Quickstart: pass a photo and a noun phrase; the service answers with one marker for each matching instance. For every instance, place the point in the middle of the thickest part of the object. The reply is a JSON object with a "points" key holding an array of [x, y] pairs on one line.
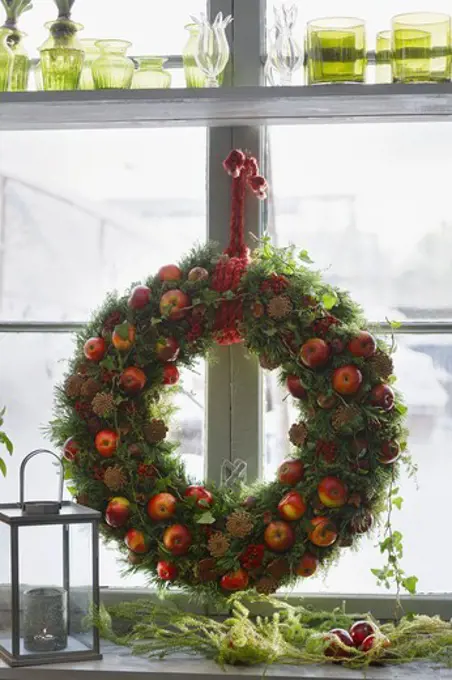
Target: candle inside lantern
{"points": [[336, 50], [45, 620]]}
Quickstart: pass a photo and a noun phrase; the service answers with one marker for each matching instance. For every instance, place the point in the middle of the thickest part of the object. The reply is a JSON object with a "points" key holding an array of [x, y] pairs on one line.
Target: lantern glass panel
{"points": [[81, 590], [5, 589]]}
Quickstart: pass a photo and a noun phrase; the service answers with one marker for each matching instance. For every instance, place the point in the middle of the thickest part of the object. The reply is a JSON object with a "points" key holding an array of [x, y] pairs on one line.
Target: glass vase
{"points": [[421, 44], [21, 64], [212, 54], [112, 69], [285, 54], [336, 50], [62, 56], [194, 77], [383, 58], [150, 74], [6, 59], [92, 52]]}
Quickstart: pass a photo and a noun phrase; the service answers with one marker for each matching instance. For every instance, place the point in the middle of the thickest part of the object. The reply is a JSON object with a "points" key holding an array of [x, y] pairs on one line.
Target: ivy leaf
{"points": [[155, 321], [108, 363], [402, 409], [3, 467], [72, 490], [205, 518], [304, 257], [123, 330], [395, 324], [329, 299], [4, 439], [410, 584], [397, 502]]}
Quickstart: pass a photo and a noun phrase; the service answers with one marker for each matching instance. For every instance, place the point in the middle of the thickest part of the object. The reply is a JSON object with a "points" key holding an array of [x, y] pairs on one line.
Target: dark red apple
{"points": [[177, 539], [363, 345], [347, 379], [117, 512], [295, 387], [136, 541], [292, 506], [203, 497], [332, 492], [167, 349], [307, 566], [389, 453], [326, 401], [323, 532], [382, 396], [139, 297], [291, 472], [334, 649], [166, 571], [106, 443], [94, 349], [132, 380], [315, 353], [174, 304], [70, 449], [161, 506], [360, 630], [169, 272], [235, 580], [279, 536], [170, 374]]}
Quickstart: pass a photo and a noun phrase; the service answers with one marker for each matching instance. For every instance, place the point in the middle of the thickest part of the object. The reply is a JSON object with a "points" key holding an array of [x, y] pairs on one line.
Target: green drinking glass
{"points": [[150, 74], [383, 58], [21, 65], [194, 77], [421, 47], [92, 52], [6, 59], [62, 56], [112, 69], [336, 50]]}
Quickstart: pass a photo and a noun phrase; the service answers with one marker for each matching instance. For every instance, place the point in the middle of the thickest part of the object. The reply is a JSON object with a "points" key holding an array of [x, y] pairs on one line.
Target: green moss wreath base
{"points": [[113, 410]]}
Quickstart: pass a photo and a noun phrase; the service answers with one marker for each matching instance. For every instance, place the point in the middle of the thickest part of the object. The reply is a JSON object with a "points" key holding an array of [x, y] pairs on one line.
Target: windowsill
{"points": [[118, 661]]}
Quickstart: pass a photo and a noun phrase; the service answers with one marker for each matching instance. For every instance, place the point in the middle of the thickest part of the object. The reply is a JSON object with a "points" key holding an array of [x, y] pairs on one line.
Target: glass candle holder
{"points": [[421, 44], [151, 74], [194, 77], [62, 56], [92, 52], [383, 58], [336, 50], [112, 69], [45, 620], [21, 64]]}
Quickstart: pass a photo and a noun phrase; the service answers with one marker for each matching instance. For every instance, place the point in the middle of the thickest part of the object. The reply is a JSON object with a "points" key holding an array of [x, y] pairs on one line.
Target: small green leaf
{"points": [[329, 300], [270, 332], [410, 584], [402, 409], [155, 321], [3, 467], [229, 295], [108, 363], [397, 502], [205, 518], [395, 324], [123, 330], [304, 257], [72, 490], [4, 439]]}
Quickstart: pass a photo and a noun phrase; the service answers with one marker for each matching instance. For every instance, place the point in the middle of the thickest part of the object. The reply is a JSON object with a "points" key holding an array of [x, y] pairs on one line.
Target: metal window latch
{"points": [[41, 507], [233, 472]]}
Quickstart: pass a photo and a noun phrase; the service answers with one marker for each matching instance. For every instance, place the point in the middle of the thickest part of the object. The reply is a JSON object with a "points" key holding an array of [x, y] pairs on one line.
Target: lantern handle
{"points": [[23, 465]]}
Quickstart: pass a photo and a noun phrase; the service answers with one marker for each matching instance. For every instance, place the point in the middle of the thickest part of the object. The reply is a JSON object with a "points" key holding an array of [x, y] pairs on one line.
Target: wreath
{"points": [[112, 416]]}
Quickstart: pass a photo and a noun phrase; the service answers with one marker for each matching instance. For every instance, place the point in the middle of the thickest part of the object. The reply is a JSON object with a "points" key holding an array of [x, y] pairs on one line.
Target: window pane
{"points": [[371, 204], [86, 212], [153, 28], [30, 366], [424, 369]]}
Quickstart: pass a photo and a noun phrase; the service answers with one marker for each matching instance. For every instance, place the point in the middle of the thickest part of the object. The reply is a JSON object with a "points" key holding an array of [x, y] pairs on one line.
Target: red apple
{"points": [[177, 539], [136, 541], [315, 353], [139, 297], [373, 640], [170, 374], [323, 532], [198, 274], [360, 630], [332, 492], [326, 401], [94, 349], [203, 497], [292, 506], [121, 343], [347, 379], [132, 380], [235, 580], [295, 387], [166, 571], [363, 345], [106, 443], [70, 449], [291, 472], [167, 349], [382, 396], [307, 566], [334, 649], [117, 512], [279, 536], [161, 506], [169, 272], [174, 304], [390, 452]]}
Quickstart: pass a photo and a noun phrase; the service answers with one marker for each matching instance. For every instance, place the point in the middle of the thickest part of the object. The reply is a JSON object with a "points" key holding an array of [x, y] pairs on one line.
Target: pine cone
{"points": [[73, 386], [134, 558], [112, 320], [381, 365], [267, 585], [94, 425], [90, 388], [115, 478], [279, 568], [103, 404], [205, 570], [155, 431], [267, 363], [346, 417], [279, 307], [239, 524], [218, 544], [361, 522], [298, 433], [83, 499]]}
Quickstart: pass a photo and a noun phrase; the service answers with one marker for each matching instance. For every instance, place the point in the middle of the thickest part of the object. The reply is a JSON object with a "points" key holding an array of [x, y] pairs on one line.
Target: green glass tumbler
{"points": [[112, 69], [62, 56], [336, 50], [6, 59], [150, 74], [421, 47], [383, 58], [21, 65], [194, 77], [92, 52]]}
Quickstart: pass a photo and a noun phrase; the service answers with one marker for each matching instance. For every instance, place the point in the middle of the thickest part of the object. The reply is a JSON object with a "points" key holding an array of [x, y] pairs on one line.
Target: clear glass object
{"points": [[194, 77], [383, 58], [421, 47], [150, 74], [285, 54], [62, 56], [336, 50], [21, 64], [92, 52], [212, 54], [45, 619], [6, 59], [113, 69]]}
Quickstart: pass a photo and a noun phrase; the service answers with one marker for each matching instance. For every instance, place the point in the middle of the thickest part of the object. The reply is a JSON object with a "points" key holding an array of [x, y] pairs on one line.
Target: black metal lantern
{"points": [[50, 551]]}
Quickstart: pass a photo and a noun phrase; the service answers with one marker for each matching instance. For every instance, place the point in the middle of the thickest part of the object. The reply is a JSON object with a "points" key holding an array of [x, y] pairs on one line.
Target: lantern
{"points": [[49, 561]]}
